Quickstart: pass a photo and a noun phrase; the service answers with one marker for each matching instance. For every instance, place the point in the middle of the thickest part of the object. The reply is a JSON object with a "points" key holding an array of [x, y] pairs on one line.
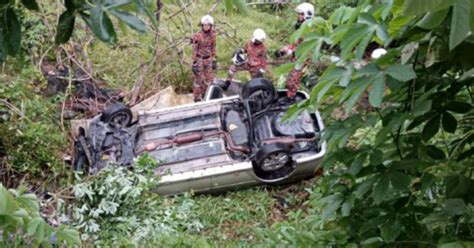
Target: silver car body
{"points": [[219, 172]]}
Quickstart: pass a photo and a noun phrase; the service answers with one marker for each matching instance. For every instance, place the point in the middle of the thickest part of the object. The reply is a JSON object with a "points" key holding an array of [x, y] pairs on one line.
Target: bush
{"points": [[22, 224], [31, 132], [118, 207]]}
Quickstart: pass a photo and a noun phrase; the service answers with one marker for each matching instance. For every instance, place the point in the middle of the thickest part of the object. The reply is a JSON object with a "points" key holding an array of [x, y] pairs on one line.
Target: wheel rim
{"points": [[275, 161], [119, 120]]}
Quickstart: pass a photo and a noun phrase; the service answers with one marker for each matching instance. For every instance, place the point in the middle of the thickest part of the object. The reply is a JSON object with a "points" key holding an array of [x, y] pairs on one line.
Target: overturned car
{"points": [[236, 138]]}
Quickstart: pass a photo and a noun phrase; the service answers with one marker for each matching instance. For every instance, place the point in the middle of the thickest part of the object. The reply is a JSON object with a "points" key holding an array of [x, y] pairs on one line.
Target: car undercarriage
{"points": [[247, 129]]}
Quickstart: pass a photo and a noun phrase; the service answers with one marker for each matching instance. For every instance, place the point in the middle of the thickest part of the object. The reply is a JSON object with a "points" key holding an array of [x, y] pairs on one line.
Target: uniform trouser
{"points": [[203, 77], [293, 81], [254, 70]]}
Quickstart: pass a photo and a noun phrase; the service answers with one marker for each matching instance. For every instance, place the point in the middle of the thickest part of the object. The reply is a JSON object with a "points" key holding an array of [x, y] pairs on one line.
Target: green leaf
{"points": [[69, 235], [381, 189], [12, 32], [346, 208], [415, 7], [358, 163], [391, 230], [142, 7], [458, 186], [346, 76], [433, 19], [408, 51], [359, 88], [400, 181], [459, 107], [29, 201], [372, 241], [332, 204], [455, 207], [65, 27], [376, 157], [450, 124], [460, 23], [354, 36], [435, 152], [402, 73], [130, 20], [30, 4], [33, 225], [377, 93], [431, 128], [457, 244], [468, 74], [101, 25], [7, 202], [363, 188]]}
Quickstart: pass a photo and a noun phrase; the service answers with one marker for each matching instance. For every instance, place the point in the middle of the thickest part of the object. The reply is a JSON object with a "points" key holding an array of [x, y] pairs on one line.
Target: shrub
{"points": [[118, 206], [22, 224]]}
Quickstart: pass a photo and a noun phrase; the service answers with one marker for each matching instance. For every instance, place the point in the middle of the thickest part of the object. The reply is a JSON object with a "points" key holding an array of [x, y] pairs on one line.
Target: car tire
{"points": [[117, 115], [260, 92], [273, 163]]}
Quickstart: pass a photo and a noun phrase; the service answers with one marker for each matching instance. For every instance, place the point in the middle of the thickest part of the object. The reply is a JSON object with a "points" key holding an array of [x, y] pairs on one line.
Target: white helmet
{"points": [[307, 9], [207, 20], [377, 53], [259, 35]]}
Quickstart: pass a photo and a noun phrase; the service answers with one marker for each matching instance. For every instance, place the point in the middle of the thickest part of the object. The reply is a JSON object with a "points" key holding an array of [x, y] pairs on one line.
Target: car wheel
{"points": [[260, 92], [117, 115], [273, 163]]}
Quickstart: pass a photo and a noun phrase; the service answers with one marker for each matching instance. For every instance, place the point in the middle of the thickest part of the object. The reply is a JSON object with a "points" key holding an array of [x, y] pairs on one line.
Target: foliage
{"points": [[22, 224], [409, 182], [96, 14], [31, 131], [118, 207]]}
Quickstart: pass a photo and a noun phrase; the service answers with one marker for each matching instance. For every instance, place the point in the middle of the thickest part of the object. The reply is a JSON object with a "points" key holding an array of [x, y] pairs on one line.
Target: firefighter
{"points": [[252, 58], [204, 57], [305, 12]]}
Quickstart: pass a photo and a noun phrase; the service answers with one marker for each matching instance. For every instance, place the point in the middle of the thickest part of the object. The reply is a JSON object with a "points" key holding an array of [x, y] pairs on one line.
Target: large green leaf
{"points": [[431, 128], [416, 7], [101, 25], [356, 33], [381, 189], [460, 23], [376, 93], [33, 225], [433, 19], [132, 21], [359, 89], [30, 4], [29, 201], [455, 207], [7, 202], [65, 27], [391, 230], [399, 181], [401, 72], [458, 186], [112, 4], [459, 107], [450, 123], [70, 236]]}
